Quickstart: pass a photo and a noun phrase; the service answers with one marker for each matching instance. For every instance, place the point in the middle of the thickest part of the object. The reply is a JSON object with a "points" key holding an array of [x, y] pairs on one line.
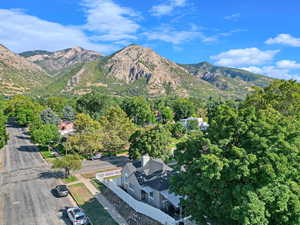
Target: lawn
{"points": [[70, 179], [94, 210]]}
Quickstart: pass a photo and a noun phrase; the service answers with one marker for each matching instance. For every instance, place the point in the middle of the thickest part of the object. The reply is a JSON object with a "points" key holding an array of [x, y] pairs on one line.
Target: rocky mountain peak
{"points": [[58, 60], [137, 62]]}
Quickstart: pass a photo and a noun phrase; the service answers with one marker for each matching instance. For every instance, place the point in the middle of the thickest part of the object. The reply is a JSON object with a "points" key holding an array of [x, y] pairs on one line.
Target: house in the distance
{"points": [[66, 128], [148, 181], [201, 124]]}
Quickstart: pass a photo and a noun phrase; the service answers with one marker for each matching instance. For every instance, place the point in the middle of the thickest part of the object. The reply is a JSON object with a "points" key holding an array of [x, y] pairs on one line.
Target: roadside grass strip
{"points": [[94, 210], [70, 179]]}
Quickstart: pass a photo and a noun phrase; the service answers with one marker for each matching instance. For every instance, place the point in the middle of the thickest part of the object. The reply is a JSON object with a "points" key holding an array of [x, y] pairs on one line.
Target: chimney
{"points": [[145, 159]]}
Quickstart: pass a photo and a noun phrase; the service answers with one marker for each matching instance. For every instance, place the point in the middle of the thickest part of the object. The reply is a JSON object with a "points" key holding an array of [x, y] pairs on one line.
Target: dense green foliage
{"points": [[45, 134], [139, 110], [3, 119], [153, 141], [177, 130], [23, 109], [68, 113], [117, 128], [245, 170], [95, 104], [68, 162], [49, 117], [183, 108]]}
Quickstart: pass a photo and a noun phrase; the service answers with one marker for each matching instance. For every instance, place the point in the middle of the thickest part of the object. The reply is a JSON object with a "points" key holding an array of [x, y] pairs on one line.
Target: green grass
{"points": [[97, 184], [94, 210], [47, 155], [70, 179]]}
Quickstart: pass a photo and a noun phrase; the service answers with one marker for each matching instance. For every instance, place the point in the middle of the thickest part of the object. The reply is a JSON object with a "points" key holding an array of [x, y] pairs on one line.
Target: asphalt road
{"points": [[103, 164], [25, 185]]}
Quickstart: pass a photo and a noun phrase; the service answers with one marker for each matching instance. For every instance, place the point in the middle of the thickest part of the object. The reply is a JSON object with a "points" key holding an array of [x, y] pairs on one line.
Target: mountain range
{"points": [[133, 70]]}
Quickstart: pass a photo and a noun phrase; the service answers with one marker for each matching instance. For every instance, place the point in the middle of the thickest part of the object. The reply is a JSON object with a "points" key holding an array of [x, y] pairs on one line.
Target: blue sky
{"points": [[260, 36]]}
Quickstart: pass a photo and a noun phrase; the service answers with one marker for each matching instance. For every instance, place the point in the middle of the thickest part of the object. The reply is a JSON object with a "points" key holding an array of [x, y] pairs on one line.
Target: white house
{"points": [[202, 125]]}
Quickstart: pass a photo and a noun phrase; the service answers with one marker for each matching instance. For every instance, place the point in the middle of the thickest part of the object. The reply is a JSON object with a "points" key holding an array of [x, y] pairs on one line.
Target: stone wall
{"points": [[130, 215]]}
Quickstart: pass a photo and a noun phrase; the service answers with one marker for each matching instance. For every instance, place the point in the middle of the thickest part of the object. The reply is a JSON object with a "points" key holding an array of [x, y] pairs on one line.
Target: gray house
{"points": [[148, 181]]}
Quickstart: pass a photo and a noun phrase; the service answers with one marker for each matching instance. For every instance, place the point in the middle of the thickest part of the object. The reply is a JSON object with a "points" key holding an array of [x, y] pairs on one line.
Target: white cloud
{"points": [[233, 17], [166, 8], [21, 32], [110, 21], [174, 36], [288, 64], [244, 57], [273, 71], [285, 39]]}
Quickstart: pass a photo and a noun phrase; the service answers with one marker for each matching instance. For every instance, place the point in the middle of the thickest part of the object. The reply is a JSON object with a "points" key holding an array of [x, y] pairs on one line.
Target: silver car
{"points": [[77, 216]]}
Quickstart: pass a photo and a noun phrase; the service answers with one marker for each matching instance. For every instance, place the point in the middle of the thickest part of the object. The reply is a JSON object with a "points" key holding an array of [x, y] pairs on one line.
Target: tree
{"points": [[183, 108], [86, 143], [193, 125], [95, 104], [177, 130], [117, 128], [49, 117], [68, 113], [46, 134], [68, 163], [23, 109], [84, 123], [139, 110], [281, 95], [58, 103], [244, 171], [166, 114], [153, 142]]}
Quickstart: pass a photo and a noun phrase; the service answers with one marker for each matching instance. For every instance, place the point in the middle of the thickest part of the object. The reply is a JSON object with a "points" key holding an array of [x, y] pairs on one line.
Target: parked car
{"points": [[61, 190], [96, 156], [77, 216]]}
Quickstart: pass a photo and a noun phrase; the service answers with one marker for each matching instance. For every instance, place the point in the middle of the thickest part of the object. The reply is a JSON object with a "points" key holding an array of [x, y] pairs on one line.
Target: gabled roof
{"points": [[154, 174]]}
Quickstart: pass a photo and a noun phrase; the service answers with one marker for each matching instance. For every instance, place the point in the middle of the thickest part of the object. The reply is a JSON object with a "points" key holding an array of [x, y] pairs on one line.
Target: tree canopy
{"points": [[117, 128], [67, 162], [245, 170], [153, 142], [139, 110]]}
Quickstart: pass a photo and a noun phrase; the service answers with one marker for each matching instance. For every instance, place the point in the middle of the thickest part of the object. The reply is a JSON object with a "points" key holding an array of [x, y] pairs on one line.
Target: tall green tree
{"points": [[117, 128], [46, 134], [23, 109], [139, 110], [68, 113], [166, 114], [153, 142], [84, 122], [49, 117], [85, 143], [95, 104], [68, 163], [183, 108], [244, 171]]}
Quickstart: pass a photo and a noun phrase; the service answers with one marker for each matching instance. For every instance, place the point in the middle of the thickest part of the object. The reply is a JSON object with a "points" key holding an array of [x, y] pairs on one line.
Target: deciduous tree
{"points": [[68, 163]]}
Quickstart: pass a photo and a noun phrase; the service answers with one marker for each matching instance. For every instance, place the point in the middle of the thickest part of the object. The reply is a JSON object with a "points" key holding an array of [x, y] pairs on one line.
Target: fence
{"points": [[139, 206]]}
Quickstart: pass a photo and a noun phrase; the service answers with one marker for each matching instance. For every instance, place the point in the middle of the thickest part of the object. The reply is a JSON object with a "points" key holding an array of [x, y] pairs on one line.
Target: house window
{"points": [[151, 196]]}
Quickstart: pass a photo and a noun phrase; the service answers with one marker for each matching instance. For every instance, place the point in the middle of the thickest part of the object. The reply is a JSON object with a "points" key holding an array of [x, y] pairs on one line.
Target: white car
{"points": [[77, 216], [96, 156]]}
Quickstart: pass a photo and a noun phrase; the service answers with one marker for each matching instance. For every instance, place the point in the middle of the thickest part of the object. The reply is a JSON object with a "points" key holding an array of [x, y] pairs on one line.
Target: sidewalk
{"points": [[102, 200]]}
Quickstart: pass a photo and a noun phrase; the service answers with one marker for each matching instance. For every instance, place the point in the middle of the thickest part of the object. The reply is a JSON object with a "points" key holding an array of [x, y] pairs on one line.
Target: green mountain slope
{"points": [[18, 75], [235, 81]]}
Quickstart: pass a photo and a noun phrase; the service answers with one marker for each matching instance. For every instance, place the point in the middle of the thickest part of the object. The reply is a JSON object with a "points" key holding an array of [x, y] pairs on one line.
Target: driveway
{"points": [[25, 185]]}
